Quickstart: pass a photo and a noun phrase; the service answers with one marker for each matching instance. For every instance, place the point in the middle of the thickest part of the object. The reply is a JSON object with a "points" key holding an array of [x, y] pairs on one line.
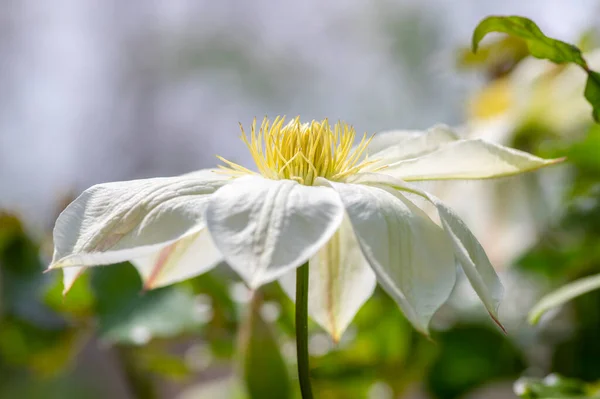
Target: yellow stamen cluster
{"points": [[302, 151]]}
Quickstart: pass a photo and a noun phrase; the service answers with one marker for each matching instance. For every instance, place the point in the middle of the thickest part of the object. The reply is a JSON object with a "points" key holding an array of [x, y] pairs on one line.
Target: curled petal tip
{"points": [[66, 290], [53, 266], [424, 331], [557, 160], [499, 324]]}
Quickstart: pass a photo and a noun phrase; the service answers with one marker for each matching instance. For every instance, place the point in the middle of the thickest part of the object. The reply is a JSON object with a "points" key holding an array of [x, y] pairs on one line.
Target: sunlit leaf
{"points": [[562, 295], [540, 45], [544, 47], [264, 370]]}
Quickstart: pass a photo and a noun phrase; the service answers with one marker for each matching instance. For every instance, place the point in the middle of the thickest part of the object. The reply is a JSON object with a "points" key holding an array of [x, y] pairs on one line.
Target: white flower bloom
{"points": [[536, 94], [538, 100], [315, 198]]}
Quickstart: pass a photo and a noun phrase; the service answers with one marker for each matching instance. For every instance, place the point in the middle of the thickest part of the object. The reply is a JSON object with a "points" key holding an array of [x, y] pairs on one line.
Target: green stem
{"points": [[302, 330]]}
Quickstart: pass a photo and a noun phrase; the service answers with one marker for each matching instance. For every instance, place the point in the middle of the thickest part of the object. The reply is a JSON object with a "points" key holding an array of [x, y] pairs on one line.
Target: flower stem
{"points": [[302, 330]]}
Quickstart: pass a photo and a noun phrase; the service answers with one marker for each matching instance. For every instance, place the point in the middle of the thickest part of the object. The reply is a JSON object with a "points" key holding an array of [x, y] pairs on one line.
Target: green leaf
{"points": [[540, 45], [264, 370], [127, 314], [562, 295], [544, 47], [592, 93]]}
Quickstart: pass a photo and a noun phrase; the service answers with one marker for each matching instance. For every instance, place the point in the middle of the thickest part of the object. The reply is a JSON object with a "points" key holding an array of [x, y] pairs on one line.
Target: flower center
{"points": [[302, 151]]}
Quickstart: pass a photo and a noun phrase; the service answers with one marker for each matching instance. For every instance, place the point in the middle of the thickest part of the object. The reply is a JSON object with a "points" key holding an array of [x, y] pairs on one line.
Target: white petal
{"points": [[384, 140], [265, 228], [114, 222], [468, 250], [186, 258], [70, 275], [393, 146], [207, 175], [506, 215], [340, 282], [466, 159], [410, 254]]}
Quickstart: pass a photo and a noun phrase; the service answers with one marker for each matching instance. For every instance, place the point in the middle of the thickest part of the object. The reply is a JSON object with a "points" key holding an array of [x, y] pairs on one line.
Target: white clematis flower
{"points": [[537, 100], [314, 199]]}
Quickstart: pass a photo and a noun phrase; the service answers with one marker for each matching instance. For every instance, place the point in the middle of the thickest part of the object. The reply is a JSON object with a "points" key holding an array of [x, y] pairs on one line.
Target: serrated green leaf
{"points": [[264, 370], [540, 45]]}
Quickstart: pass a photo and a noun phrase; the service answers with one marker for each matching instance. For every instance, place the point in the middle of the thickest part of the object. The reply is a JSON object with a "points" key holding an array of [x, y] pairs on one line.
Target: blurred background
{"points": [[96, 91]]}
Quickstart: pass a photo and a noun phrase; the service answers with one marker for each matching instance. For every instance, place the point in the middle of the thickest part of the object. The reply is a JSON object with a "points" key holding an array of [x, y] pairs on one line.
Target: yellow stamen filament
{"points": [[302, 151]]}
